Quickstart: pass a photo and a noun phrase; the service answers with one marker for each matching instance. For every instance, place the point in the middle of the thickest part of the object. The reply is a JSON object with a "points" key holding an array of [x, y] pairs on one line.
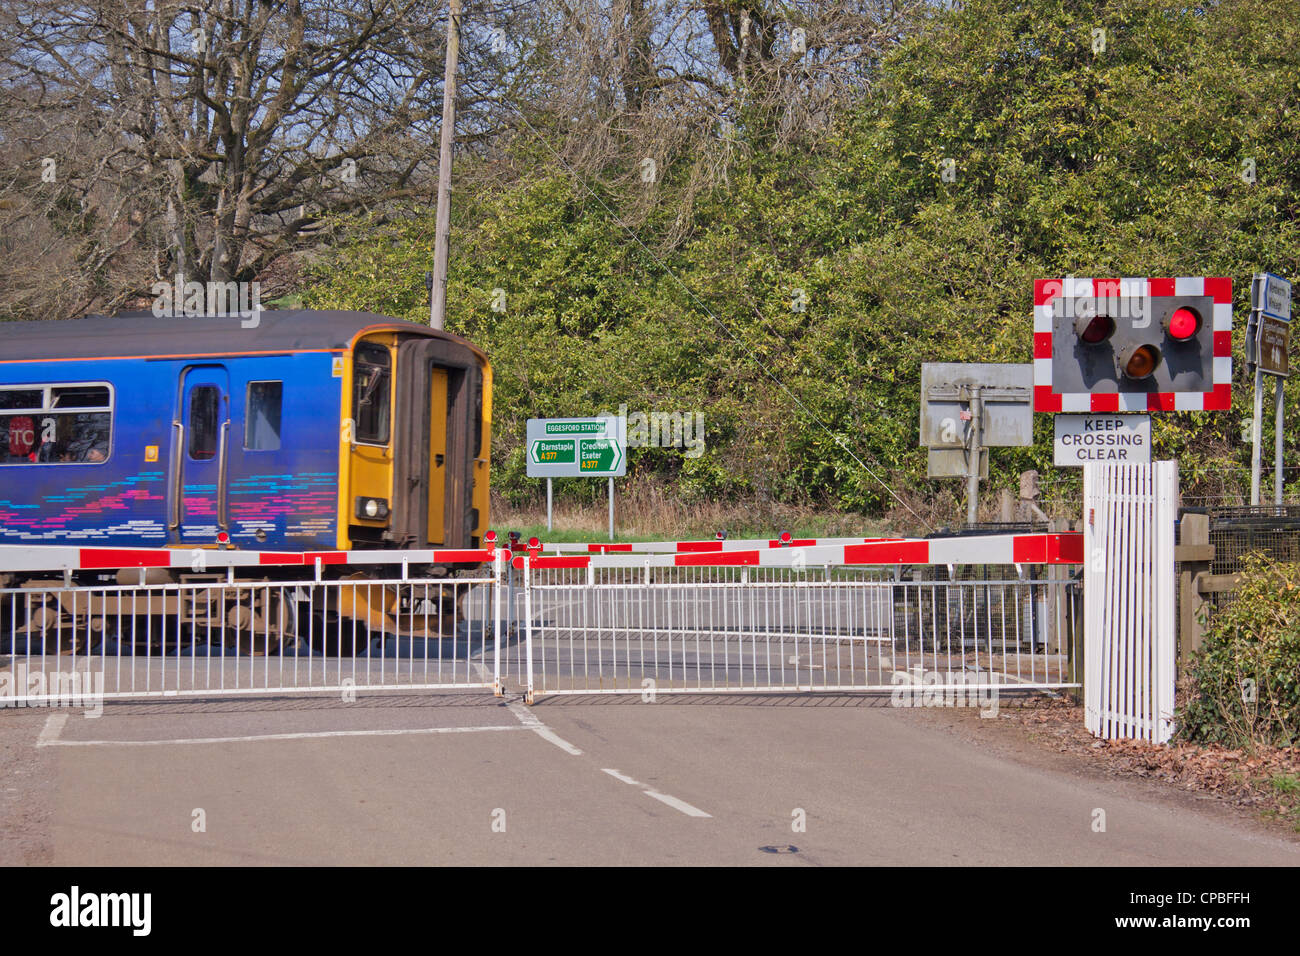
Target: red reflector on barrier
{"points": [[730, 558], [99, 558], [542, 564], [326, 557], [1065, 548], [888, 552], [1029, 548], [461, 556], [278, 557]]}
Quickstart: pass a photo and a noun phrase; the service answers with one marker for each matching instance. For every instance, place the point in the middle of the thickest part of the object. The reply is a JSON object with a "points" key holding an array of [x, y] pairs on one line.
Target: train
{"points": [[300, 430]]}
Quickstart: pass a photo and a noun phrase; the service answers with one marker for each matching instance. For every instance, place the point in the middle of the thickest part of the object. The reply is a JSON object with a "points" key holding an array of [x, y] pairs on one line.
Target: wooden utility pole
{"points": [[438, 305]]}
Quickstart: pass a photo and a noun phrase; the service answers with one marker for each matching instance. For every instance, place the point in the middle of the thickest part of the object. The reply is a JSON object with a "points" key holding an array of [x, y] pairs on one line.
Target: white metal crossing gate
{"points": [[944, 622], [1128, 513], [163, 628], [932, 622]]}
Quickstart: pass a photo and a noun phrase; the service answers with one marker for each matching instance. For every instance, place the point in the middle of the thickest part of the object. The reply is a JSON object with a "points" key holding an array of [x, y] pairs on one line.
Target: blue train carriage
{"points": [[310, 431]]}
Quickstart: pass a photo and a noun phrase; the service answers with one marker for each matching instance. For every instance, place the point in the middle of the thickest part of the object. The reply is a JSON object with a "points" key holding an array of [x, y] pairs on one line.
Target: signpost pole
{"points": [[1256, 437], [1268, 349], [973, 463], [548, 504], [611, 509], [1277, 440]]}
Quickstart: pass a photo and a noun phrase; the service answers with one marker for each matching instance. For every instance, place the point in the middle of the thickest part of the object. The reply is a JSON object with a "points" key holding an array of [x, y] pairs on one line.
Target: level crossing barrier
{"points": [[101, 623], [878, 615], [851, 615]]}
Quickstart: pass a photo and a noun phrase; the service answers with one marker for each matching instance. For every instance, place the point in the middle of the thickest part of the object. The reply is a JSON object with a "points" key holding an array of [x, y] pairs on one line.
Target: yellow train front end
{"points": [[414, 440]]}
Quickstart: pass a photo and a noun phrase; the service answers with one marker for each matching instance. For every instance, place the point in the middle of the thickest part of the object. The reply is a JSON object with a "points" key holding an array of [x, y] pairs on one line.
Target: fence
{"points": [[1211, 545], [143, 634], [1129, 608], [863, 616], [802, 619]]}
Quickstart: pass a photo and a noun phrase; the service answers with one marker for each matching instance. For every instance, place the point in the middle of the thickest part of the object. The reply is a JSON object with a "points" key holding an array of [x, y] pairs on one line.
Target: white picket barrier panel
{"points": [[1129, 621]]}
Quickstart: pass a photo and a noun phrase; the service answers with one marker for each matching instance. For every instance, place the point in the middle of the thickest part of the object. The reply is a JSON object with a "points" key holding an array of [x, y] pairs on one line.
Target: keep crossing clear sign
{"points": [[577, 447], [1083, 439]]}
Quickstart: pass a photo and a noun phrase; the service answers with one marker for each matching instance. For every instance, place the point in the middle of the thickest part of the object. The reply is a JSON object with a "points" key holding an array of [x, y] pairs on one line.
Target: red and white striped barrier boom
{"points": [[62, 558], [1063, 548], [701, 547]]}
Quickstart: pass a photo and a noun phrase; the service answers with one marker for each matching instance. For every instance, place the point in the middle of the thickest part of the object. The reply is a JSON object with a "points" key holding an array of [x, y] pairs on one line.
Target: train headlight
{"points": [[374, 509]]}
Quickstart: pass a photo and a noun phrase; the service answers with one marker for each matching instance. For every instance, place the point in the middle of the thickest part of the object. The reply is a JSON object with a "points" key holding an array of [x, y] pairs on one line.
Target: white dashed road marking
{"points": [[50, 732], [528, 721], [680, 805]]}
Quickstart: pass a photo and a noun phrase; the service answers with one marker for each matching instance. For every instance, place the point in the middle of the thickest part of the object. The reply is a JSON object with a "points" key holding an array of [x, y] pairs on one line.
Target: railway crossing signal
{"points": [[1132, 345]]}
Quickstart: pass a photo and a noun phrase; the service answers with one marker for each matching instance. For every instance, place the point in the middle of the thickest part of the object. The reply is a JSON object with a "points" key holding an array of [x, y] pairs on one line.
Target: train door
{"points": [[200, 456], [434, 457], [438, 455]]}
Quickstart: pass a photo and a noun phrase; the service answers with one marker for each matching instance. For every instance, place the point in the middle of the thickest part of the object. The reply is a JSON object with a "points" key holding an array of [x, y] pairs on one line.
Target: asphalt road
{"points": [[457, 777]]}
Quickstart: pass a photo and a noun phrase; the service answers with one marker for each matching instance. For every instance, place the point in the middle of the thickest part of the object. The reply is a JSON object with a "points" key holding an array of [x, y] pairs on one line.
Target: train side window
{"points": [[371, 378], [56, 424], [262, 416], [205, 408], [80, 396]]}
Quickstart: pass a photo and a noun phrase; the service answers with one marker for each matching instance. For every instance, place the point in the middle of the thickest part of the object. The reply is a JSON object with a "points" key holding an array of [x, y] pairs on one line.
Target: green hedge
{"points": [[1245, 682]]}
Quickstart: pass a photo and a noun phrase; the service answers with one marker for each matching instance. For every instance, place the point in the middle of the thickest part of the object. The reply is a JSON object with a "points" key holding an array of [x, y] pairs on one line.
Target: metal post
{"points": [[548, 504], [611, 509], [438, 305], [528, 629], [498, 560], [1256, 437], [973, 462], [1278, 396]]}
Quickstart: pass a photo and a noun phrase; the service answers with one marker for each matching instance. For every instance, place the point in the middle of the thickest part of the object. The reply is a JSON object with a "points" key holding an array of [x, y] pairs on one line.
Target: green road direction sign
{"points": [[581, 427], [599, 456], [552, 451], [593, 447]]}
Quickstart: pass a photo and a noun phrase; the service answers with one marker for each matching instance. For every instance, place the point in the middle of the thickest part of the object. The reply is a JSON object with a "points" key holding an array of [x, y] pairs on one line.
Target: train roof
{"points": [[144, 335]]}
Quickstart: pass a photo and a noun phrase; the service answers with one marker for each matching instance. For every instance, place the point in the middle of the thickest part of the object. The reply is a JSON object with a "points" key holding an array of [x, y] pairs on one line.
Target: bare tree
{"points": [[141, 139], [216, 135], [638, 87]]}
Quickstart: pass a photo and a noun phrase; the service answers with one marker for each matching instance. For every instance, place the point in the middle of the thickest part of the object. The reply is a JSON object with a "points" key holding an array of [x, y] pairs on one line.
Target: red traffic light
{"points": [[1093, 330], [1183, 324]]}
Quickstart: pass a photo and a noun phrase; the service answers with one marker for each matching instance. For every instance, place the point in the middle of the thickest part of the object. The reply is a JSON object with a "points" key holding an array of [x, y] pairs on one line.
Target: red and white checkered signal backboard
{"points": [[1204, 383]]}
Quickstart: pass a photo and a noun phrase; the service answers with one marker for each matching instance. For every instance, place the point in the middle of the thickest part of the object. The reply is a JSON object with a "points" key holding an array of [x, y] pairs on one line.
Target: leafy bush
{"points": [[1245, 681]]}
